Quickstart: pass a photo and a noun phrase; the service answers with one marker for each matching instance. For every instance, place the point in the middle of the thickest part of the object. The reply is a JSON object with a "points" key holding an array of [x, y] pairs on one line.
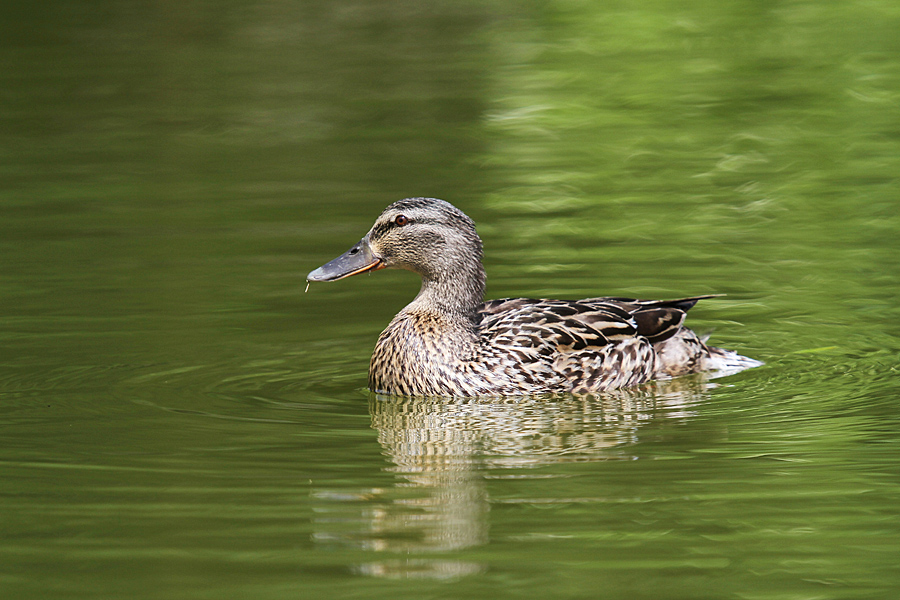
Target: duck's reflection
{"points": [[443, 451]]}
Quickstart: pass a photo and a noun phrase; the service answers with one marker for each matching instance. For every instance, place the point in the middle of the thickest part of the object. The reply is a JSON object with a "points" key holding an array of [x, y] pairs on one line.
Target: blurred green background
{"points": [[179, 420]]}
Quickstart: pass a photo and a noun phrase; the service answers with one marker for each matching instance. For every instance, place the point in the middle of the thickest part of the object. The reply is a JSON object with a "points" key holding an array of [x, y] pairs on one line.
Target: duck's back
{"points": [[590, 345]]}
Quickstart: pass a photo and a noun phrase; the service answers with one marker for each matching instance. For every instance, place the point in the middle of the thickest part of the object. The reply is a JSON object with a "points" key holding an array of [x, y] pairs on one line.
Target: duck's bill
{"points": [[356, 260]]}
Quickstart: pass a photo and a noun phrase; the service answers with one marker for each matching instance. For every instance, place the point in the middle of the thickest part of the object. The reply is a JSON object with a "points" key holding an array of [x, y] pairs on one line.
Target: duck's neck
{"points": [[453, 296]]}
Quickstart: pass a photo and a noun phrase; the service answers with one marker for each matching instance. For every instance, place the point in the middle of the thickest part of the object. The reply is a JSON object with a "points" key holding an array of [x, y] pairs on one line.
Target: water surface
{"points": [[180, 420]]}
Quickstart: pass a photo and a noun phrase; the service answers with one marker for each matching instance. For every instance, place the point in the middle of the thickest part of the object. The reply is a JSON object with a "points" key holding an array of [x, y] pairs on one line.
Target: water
{"points": [[180, 420]]}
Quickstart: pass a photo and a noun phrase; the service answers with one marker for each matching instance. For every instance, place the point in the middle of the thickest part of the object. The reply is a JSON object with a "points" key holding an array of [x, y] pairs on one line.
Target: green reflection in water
{"points": [[180, 421]]}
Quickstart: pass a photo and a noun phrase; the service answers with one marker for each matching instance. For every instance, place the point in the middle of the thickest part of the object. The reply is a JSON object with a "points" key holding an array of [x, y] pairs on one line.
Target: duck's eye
{"points": [[401, 220]]}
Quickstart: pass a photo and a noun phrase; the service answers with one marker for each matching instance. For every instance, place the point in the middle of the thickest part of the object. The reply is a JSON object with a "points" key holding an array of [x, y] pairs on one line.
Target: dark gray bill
{"points": [[358, 259]]}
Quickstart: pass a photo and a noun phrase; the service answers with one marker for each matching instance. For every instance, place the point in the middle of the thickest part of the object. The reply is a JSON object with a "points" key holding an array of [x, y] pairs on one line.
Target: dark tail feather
{"points": [[659, 320], [686, 304]]}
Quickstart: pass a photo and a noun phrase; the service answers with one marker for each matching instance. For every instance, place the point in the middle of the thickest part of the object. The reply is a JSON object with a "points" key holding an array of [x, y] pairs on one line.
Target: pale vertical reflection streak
{"points": [[444, 450]]}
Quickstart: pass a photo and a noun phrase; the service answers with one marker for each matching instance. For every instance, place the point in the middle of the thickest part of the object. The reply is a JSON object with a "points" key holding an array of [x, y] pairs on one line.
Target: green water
{"points": [[178, 419]]}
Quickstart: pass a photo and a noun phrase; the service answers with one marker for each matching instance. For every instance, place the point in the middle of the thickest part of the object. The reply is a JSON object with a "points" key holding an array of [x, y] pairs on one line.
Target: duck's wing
{"points": [[656, 320], [580, 346], [568, 325]]}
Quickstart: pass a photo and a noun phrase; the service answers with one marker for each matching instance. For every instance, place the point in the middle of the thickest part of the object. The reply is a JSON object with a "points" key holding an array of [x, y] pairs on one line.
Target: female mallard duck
{"points": [[447, 342]]}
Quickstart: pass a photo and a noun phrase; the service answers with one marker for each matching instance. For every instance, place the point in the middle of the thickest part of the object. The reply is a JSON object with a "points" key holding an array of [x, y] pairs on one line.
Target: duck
{"points": [[449, 342]]}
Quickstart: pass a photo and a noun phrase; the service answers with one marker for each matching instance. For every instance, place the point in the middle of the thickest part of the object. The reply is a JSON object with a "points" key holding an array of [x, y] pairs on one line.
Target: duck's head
{"points": [[428, 236]]}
